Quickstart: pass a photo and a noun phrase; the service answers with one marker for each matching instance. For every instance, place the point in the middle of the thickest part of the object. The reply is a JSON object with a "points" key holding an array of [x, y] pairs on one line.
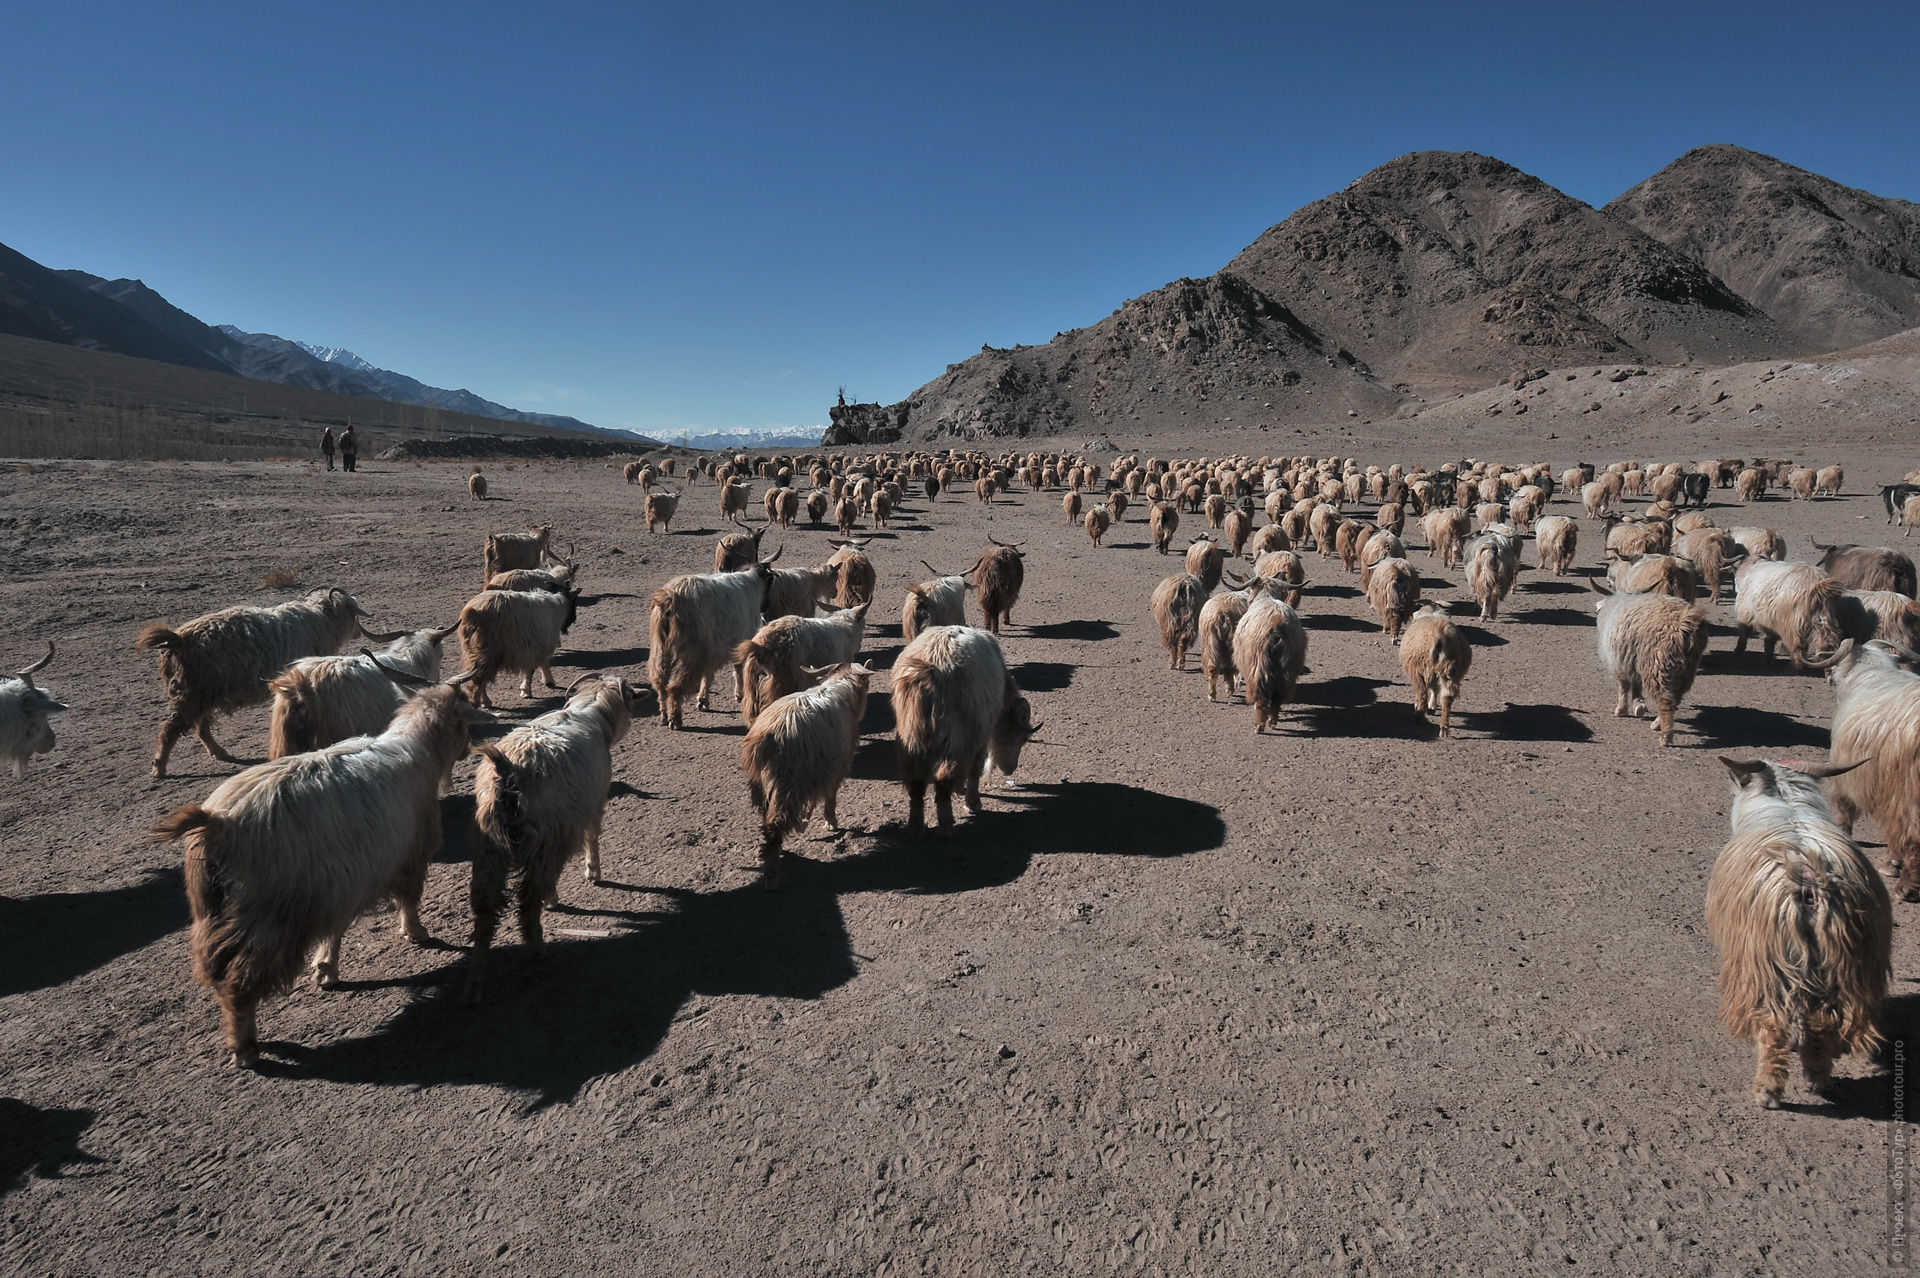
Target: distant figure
{"points": [[326, 445], [349, 449]]}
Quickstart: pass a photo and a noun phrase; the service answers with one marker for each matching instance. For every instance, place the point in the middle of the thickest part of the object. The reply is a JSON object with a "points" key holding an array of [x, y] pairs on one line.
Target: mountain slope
{"points": [[1449, 269], [1836, 265], [42, 304]]}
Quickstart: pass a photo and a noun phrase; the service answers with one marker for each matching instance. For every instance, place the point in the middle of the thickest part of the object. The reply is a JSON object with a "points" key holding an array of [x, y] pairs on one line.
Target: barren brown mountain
{"points": [[1836, 265]]}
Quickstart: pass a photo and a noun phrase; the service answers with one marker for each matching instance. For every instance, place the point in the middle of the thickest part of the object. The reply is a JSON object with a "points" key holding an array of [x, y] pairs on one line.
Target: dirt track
{"points": [[1187, 1000]]}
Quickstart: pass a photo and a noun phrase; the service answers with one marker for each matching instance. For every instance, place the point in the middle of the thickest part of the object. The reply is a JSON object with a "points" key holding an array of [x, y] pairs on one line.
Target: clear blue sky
{"points": [[702, 216]]}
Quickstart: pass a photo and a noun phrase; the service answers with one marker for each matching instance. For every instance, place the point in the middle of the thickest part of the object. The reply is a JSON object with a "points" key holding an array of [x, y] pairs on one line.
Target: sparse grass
{"points": [[281, 578], [27, 468]]}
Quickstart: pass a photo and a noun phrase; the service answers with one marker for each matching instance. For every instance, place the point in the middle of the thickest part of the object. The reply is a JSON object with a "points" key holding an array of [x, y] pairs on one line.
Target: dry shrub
{"points": [[281, 578], [27, 468]]}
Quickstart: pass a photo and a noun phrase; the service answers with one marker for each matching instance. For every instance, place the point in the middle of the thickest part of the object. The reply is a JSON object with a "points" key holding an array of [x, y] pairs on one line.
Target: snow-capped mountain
{"points": [[337, 355], [749, 437]]}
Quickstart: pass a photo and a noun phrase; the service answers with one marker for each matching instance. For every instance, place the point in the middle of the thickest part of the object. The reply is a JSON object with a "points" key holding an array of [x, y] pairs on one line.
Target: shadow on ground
{"points": [[49, 940], [42, 1142], [597, 1006]]}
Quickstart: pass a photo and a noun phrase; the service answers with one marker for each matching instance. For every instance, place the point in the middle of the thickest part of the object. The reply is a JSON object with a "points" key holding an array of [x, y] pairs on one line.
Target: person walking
{"points": [[326, 445], [349, 449]]}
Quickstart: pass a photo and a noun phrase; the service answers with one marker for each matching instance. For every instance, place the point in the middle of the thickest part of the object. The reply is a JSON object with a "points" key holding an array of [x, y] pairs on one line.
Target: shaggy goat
{"points": [[855, 574], [1493, 562], [24, 728], [997, 577], [514, 632], [1792, 604], [1394, 591], [1176, 609], [957, 712], [1803, 925], [1436, 658], [738, 549], [1709, 550], [1661, 574], [539, 795], [1285, 574], [695, 622], [477, 486], [283, 857], [228, 659], [1876, 725], [1098, 521], [1867, 568], [939, 602], [1270, 651], [1880, 614], [1446, 532], [1218, 618], [1651, 644], [1164, 521], [661, 506], [775, 661], [320, 700], [797, 755], [506, 551], [1558, 540], [1206, 559]]}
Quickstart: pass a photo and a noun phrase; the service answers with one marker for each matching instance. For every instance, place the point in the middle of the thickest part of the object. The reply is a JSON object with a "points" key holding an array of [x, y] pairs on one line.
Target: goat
{"points": [[775, 661], [1652, 645], [1164, 520], [1709, 550], [506, 551], [539, 795], [1896, 497], [1285, 574], [738, 549], [1558, 540], [1880, 614], [1827, 481], [1661, 574], [1803, 925], [1867, 568], [1759, 543], [1493, 562], [798, 754], [1270, 651], [1436, 658], [1876, 729], [514, 632], [281, 858], [1218, 619], [24, 710], [1206, 559], [1394, 591], [1176, 608], [661, 507], [532, 579], [320, 700], [998, 576], [1098, 521], [1792, 604], [958, 712], [856, 576], [1446, 532], [227, 659], [695, 622], [939, 602], [477, 486]]}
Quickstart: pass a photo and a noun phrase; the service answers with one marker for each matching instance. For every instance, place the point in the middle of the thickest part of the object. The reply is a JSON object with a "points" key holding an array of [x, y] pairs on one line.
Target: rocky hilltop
{"points": [[1835, 265], [1443, 273]]}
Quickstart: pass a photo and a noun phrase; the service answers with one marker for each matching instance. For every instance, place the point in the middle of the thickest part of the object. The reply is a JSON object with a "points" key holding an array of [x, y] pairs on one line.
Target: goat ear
{"points": [[1743, 772]]}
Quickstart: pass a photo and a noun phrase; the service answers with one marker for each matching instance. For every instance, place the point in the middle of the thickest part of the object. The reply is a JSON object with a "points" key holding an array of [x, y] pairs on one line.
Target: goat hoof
{"points": [[243, 1059], [1767, 1100]]}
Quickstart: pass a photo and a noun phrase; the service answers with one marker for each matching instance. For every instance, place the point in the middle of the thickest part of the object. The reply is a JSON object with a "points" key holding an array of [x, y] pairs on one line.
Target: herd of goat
{"points": [[282, 857]]}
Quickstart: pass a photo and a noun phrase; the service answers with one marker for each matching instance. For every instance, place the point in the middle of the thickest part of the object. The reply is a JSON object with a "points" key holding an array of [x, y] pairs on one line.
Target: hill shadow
{"points": [[598, 1006], [42, 1142], [1086, 631], [50, 939]]}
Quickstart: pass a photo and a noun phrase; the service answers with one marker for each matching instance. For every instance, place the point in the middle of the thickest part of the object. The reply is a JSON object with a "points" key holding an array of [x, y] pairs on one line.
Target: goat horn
{"points": [[1593, 584], [39, 665], [440, 635], [400, 677], [1829, 660], [1829, 769], [379, 636], [582, 679]]}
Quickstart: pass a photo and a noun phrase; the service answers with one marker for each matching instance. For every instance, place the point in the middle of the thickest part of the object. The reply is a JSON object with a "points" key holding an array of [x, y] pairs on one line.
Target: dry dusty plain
{"points": [[1187, 1000]]}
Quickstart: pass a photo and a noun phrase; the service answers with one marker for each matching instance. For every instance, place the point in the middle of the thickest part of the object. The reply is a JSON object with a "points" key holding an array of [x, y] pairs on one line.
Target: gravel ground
{"points": [[1186, 999]]}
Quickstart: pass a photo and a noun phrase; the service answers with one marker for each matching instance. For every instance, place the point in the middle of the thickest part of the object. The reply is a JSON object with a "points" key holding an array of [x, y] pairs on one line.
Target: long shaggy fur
{"points": [[283, 857], [1446, 533], [695, 622], [957, 711], [799, 592], [939, 602], [1176, 608], [321, 700], [1393, 589], [1804, 929], [1658, 574], [1652, 645], [998, 576], [1868, 568], [1876, 718], [1436, 658], [1796, 605], [1880, 614], [513, 632], [539, 796], [1270, 649], [1285, 574], [855, 577], [506, 551], [25, 710], [229, 659], [1558, 539], [774, 662], [1206, 559], [797, 755], [1493, 562], [1218, 618], [1709, 550]]}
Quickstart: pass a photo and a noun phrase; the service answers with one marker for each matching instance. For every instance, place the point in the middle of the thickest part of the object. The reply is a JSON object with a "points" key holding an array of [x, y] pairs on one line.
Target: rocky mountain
{"points": [[48, 306], [1837, 266], [1441, 273]]}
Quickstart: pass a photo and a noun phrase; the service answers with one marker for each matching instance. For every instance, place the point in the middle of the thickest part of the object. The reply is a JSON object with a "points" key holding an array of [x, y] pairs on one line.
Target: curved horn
{"points": [[1593, 584], [582, 679], [381, 636], [39, 665], [779, 551], [936, 572], [400, 677], [1831, 659], [440, 636], [1829, 769], [465, 676]]}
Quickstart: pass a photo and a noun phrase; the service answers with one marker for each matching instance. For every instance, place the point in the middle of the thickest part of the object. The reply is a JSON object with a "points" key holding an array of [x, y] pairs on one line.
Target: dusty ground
{"points": [[1187, 1000]]}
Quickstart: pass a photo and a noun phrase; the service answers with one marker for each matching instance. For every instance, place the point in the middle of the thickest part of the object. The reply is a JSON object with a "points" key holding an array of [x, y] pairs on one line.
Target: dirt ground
{"points": [[1186, 1000]]}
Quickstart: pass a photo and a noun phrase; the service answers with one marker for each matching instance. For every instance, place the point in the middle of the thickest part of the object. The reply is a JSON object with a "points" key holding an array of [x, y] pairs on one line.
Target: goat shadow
{"points": [[1525, 722], [1043, 676], [51, 939], [1872, 1097], [42, 1142], [1086, 631], [594, 1007], [1554, 617], [604, 659], [1751, 728]]}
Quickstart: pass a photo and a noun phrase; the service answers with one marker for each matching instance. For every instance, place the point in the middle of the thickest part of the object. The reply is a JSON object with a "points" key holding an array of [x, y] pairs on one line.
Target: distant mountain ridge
{"points": [[126, 317], [1441, 273]]}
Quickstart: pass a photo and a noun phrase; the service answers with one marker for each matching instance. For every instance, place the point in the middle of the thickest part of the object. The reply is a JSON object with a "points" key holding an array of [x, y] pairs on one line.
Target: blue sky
{"points": [[699, 217]]}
